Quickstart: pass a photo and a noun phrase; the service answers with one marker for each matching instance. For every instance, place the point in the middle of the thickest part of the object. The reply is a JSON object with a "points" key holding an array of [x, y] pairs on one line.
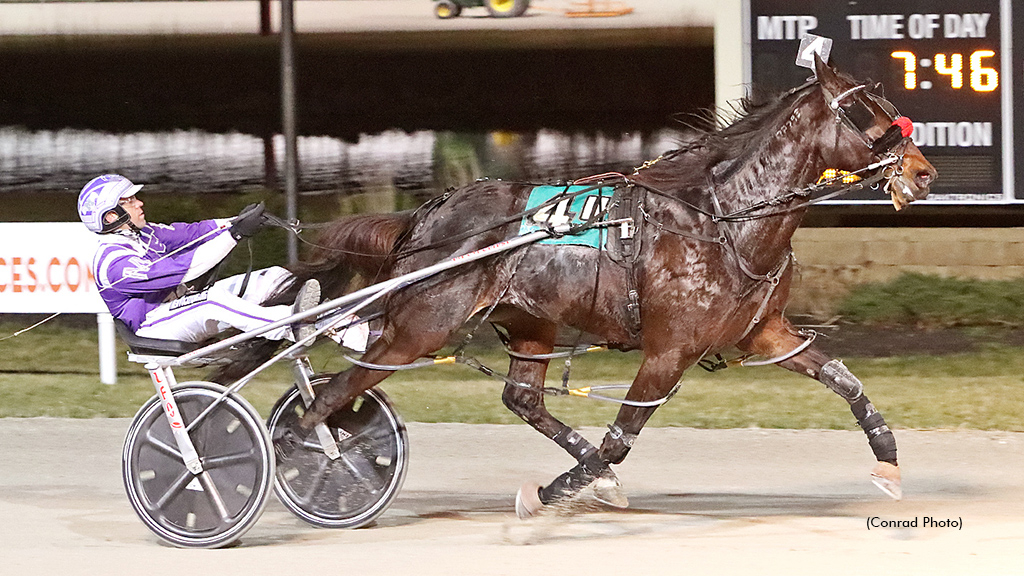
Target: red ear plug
{"points": [[906, 126]]}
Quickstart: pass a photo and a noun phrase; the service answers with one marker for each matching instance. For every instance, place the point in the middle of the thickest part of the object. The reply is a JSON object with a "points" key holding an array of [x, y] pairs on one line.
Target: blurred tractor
{"points": [[445, 9]]}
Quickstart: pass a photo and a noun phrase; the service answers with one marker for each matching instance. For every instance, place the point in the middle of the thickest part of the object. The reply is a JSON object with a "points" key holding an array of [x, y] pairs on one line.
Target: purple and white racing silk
{"points": [[136, 272]]}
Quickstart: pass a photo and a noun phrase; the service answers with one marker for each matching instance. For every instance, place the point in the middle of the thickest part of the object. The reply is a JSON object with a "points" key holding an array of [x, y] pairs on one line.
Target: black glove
{"points": [[248, 222]]}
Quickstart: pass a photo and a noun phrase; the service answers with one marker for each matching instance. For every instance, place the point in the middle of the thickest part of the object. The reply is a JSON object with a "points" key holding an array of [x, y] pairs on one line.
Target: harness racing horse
{"points": [[710, 270]]}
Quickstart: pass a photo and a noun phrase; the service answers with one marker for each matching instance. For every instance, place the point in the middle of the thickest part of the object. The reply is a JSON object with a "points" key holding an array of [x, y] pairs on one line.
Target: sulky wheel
{"points": [[357, 487], [507, 8], [216, 507], [445, 9]]}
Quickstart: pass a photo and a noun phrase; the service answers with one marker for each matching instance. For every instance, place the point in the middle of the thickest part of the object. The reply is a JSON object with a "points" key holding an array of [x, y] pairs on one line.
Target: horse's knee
{"points": [[840, 380]]}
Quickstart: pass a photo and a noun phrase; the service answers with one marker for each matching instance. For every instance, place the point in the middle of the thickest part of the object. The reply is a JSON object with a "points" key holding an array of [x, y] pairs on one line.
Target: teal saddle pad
{"points": [[576, 208]]}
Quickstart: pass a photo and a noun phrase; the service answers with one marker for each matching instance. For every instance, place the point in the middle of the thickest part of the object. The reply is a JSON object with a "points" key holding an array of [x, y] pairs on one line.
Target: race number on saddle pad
{"points": [[573, 209]]}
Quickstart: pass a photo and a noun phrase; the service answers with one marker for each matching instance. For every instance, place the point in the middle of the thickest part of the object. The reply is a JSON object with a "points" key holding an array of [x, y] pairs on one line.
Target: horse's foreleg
{"points": [[653, 382], [524, 394], [776, 337]]}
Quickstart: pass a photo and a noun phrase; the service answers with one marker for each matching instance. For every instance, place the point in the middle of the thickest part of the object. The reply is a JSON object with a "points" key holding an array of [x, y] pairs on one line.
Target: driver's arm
{"points": [[207, 255]]}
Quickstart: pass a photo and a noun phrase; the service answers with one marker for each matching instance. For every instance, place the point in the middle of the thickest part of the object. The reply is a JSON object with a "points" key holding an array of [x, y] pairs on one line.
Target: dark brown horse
{"points": [[708, 268]]}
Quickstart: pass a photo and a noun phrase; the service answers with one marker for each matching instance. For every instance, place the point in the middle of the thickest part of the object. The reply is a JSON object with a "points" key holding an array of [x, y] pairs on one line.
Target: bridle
{"points": [[889, 148], [857, 116]]}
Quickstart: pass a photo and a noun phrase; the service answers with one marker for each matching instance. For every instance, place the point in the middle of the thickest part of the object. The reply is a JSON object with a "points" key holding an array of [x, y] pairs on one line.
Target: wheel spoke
{"points": [[373, 433], [162, 446], [312, 445], [174, 489], [214, 462], [358, 474], [214, 495], [323, 467]]}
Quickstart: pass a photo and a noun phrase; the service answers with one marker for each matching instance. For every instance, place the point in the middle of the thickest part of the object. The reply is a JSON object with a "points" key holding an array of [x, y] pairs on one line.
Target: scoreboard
{"points": [[948, 65]]}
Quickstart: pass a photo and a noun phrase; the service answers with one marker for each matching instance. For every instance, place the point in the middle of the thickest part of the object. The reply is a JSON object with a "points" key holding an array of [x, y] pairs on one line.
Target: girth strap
{"points": [[624, 250]]}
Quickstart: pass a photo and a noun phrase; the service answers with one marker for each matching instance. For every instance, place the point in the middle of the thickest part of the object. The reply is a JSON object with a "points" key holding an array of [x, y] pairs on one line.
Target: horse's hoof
{"points": [[609, 491], [528, 500], [887, 478]]}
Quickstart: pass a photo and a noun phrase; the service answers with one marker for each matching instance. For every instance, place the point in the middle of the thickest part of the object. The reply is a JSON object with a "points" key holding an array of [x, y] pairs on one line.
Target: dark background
{"points": [[613, 81], [349, 84]]}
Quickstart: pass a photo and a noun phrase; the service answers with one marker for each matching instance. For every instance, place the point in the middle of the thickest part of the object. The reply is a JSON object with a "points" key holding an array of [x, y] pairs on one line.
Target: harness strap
{"points": [[663, 228], [730, 245], [773, 282]]}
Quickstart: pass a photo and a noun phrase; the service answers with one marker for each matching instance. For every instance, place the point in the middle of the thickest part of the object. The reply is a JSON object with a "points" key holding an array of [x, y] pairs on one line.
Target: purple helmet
{"points": [[101, 196]]}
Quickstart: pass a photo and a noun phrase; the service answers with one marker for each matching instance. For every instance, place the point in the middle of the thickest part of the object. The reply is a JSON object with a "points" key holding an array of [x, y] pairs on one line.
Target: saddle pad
{"points": [[572, 210]]}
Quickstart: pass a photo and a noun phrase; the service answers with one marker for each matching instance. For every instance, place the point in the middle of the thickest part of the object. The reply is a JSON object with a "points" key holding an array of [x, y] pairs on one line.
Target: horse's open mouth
{"points": [[912, 182]]}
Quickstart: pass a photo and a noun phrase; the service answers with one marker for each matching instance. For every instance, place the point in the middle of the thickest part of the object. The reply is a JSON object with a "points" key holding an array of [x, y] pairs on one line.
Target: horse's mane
{"points": [[721, 141]]}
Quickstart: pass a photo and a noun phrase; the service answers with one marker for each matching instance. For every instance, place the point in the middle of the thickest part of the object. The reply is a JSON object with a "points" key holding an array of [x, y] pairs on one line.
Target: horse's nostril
{"points": [[924, 178]]}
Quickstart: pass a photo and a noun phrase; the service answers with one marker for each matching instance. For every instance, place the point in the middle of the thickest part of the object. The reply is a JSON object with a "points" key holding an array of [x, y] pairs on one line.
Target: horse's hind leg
{"points": [[524, 396], [660, 371], [403, 340], [777, 337]]}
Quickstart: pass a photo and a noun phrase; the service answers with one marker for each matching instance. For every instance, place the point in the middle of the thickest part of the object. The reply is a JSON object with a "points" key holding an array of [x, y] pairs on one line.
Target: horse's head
{"points": [[871, 130]]}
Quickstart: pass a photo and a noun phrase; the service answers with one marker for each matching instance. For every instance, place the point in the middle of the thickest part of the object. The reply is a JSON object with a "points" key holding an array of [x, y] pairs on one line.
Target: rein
{"points": [[296, 227]]}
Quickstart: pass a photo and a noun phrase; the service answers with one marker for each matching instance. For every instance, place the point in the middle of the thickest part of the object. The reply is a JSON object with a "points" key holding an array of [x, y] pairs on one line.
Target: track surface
{"points": [[729, 501]]}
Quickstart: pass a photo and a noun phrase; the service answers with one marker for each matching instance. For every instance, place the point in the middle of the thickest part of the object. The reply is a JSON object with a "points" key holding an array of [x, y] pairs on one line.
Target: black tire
{"points": [[445, 9], [238, 468], [507, 8], [356, 488]]}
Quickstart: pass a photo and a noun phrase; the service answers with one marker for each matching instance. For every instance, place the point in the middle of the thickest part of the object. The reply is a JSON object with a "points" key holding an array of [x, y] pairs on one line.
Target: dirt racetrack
{"points": [[718, 502]]}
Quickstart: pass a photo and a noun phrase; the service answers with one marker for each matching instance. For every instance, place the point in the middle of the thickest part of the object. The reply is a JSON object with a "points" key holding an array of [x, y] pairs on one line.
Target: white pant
{"points": [[199, 316]]}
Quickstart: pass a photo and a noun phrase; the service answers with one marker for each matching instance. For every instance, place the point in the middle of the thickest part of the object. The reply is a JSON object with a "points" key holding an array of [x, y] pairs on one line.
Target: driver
{"points": [[141, 267]]}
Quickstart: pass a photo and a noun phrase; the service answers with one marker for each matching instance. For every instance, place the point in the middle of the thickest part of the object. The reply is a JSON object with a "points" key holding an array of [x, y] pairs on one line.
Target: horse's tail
{"points": [[361, 245], [358, 245]]}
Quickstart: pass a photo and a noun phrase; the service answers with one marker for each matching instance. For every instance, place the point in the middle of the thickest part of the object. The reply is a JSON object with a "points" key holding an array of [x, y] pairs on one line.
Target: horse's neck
{"points": [[790, 158]]}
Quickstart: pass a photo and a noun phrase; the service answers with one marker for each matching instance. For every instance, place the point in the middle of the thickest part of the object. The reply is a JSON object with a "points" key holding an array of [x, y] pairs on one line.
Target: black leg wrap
{"points": [[880, 438], [577, 446], [572, 481]]}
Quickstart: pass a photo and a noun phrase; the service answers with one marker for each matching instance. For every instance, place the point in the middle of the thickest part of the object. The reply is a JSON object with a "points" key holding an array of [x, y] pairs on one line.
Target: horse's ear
{"points": [[826, 75], [822, 70]]}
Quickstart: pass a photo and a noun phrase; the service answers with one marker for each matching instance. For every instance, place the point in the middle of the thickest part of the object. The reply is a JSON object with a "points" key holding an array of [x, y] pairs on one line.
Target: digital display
{"points": [[945, 64]]}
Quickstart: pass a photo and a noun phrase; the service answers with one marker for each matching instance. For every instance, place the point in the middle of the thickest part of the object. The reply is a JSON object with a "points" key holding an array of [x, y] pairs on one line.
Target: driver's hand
{"points": [[248, 222]]}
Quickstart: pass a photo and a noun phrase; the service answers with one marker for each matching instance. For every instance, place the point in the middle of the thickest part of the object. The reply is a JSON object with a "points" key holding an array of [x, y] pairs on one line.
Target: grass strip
{"points": [[978, 390], [923, 300]]}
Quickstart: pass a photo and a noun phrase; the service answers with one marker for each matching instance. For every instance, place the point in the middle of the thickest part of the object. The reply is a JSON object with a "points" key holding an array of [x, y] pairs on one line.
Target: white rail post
{"points": [[108, 353]]}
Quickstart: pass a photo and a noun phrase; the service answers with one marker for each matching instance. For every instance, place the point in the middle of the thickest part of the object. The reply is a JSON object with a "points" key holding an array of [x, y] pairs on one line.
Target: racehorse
{"points": [[704, 265]]}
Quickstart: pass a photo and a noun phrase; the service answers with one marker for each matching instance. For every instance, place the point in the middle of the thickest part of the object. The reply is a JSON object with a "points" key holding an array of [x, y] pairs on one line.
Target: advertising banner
{"points": [[45, 267]]}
